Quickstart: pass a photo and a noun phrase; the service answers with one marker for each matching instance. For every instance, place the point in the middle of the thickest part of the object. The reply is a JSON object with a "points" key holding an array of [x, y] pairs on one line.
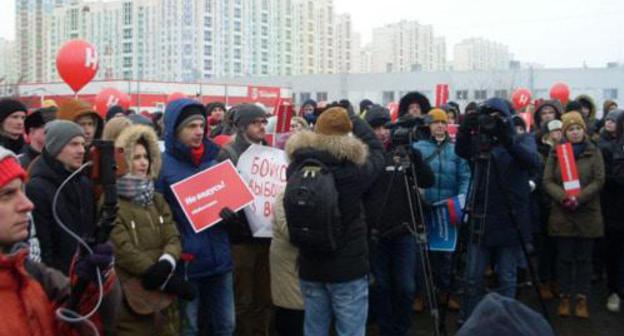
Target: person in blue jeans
{"points": [[335, 284], [501, 164], [452, 177], [207, 263], [394, 256]]}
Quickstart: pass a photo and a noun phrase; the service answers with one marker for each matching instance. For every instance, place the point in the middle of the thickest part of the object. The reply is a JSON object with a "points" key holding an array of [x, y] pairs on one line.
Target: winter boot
{"points": [[564, 306], [581, 310]]}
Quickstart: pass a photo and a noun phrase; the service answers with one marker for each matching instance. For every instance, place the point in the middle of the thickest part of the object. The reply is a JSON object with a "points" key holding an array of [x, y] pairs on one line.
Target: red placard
{"points": [[569, 175], [203, 195], [394, 111], [442, 94], [284, 113]]}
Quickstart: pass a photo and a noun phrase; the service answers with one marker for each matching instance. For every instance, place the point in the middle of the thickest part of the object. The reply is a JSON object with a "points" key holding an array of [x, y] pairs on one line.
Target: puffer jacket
{"points": [[452, 173], [211, 247], [355, 163], [30, 293], [586, 220]]}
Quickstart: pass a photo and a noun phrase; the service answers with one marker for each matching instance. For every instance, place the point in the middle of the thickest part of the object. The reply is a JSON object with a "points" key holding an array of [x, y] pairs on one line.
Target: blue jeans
{"points": [[506, 263], [346, 302], [394, 267], [215, 298]]}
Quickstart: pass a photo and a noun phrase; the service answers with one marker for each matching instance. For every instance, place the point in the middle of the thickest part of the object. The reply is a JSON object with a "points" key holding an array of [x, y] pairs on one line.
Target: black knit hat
{"points": [[188, 114], [9, 106], [245, 114], [113, 111], [573, 105], [39, 118], [377, 115]]}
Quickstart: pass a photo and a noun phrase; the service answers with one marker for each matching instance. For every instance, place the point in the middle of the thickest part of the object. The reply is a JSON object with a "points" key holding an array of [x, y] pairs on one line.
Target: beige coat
{"points": [[285, 290]]}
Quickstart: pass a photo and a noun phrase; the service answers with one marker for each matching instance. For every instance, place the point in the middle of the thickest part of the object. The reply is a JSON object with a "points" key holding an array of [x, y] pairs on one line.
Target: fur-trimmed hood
{"points": [[414, 97], [347, 148], [131, 136], [585, 99]]}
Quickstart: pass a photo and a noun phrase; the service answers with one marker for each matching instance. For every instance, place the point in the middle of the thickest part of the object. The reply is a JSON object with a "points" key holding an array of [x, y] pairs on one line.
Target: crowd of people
{"points": [[357, 259]]}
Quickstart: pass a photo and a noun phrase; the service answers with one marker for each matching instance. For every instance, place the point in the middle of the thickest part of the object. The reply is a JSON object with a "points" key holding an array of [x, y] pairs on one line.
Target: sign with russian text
{"points": [[569, 174], [264, 170], [203, 195], [442, 222]]}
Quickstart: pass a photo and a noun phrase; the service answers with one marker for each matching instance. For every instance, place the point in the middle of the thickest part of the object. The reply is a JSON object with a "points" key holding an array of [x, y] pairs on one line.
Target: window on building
{"points": [[461, 95], [127, 33], [303, 96], [265, 70], [207, 50], [500, 94], [387, 97], [127, 13], [610, 94], [237, 40], [321, 96], [237, 53], [127, 47], [480, 94], [127, 62], [237, 26]]}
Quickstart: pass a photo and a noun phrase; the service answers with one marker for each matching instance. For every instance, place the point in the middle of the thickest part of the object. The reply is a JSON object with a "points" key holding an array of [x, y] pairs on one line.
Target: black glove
{"points": [[180, 288], [101, 258], [504, 133], [228, 215], [157, 274]]}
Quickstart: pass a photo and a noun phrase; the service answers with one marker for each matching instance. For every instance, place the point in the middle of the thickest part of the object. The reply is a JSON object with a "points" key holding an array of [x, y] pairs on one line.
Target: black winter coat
{"points": [[75, 208], [355, 163], [386, 202]]}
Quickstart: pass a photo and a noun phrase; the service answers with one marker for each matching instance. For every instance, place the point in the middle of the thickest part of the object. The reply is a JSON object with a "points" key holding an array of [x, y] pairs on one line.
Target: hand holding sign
{"points": [[203, 195]]}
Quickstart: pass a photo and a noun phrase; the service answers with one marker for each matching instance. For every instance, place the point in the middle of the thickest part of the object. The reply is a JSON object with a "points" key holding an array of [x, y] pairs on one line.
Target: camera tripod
{"points": [[476, 212]]}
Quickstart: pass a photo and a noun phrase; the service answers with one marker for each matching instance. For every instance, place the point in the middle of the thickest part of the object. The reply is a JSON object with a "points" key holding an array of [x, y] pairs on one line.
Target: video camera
{"points": [[408, 129]]}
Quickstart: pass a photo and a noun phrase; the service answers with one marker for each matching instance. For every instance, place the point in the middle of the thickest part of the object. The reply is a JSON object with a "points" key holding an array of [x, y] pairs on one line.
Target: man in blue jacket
{"points": [[209, 270], [452, 177], [501, 164]]}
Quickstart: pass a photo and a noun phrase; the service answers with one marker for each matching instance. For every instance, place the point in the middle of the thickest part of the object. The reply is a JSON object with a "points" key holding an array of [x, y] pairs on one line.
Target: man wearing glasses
{"points": [[251, 255]]}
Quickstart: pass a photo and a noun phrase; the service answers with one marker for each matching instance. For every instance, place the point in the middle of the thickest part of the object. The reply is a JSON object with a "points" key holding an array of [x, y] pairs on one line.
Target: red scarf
{"points": [[197, 153]]}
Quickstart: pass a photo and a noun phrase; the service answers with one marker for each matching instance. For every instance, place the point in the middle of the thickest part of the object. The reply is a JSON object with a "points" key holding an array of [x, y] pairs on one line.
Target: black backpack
{"points": [[311, 206]]}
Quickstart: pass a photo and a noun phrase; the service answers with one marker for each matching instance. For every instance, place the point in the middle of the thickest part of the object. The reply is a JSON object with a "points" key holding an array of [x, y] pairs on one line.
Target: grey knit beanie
{"points": [[58, 133]]}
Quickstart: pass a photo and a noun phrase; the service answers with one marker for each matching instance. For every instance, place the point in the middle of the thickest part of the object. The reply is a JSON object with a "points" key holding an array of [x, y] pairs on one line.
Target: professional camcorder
{"points": [[408, 129]]}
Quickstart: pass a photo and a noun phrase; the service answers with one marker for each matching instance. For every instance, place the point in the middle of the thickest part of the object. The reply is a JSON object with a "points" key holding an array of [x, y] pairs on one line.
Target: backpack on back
{"points": [[311, 206]]}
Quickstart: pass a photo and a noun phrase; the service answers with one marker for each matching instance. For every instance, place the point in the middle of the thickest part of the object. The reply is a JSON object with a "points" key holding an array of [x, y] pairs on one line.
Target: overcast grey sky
{"points": [[556, 33]]}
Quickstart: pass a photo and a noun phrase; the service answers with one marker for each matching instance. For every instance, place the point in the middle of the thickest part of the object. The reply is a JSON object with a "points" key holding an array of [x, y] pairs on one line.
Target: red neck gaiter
{"points": [[196, 154]]}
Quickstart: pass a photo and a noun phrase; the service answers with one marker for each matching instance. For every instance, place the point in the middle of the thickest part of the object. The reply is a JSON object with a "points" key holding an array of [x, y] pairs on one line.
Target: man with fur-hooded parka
{"points": [[340, 276], [355, 163]]}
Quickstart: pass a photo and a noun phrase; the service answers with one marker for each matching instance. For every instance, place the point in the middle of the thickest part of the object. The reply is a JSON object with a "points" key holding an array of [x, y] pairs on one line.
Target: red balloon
{"points": [[560, 91], [175, 96], [77, 63], [109, 97], [521, 98]]}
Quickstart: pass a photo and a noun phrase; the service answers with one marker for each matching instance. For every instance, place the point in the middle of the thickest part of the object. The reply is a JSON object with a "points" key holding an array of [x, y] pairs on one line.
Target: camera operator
{"points": [[498, 202], [395, 251]]}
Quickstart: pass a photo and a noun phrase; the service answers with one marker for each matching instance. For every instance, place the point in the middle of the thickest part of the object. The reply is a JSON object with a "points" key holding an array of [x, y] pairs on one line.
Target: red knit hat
{"points": [[10, 169]]}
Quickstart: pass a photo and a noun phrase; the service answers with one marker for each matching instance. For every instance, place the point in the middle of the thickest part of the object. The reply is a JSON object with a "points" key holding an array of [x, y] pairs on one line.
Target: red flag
{"points": [[442, 94], [284, 113], [569, 174]]}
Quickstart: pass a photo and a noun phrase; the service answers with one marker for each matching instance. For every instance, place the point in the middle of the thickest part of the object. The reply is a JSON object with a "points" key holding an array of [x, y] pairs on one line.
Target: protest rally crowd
{"points": [[380, 216]]}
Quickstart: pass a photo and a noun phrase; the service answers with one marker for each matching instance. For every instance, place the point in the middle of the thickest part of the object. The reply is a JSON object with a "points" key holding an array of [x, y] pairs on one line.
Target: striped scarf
{"points": [[139, 190]]}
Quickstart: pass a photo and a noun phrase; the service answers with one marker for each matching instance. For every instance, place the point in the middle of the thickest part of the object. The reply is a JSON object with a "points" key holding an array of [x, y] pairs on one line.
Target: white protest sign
{"points": [[264, 170]]}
